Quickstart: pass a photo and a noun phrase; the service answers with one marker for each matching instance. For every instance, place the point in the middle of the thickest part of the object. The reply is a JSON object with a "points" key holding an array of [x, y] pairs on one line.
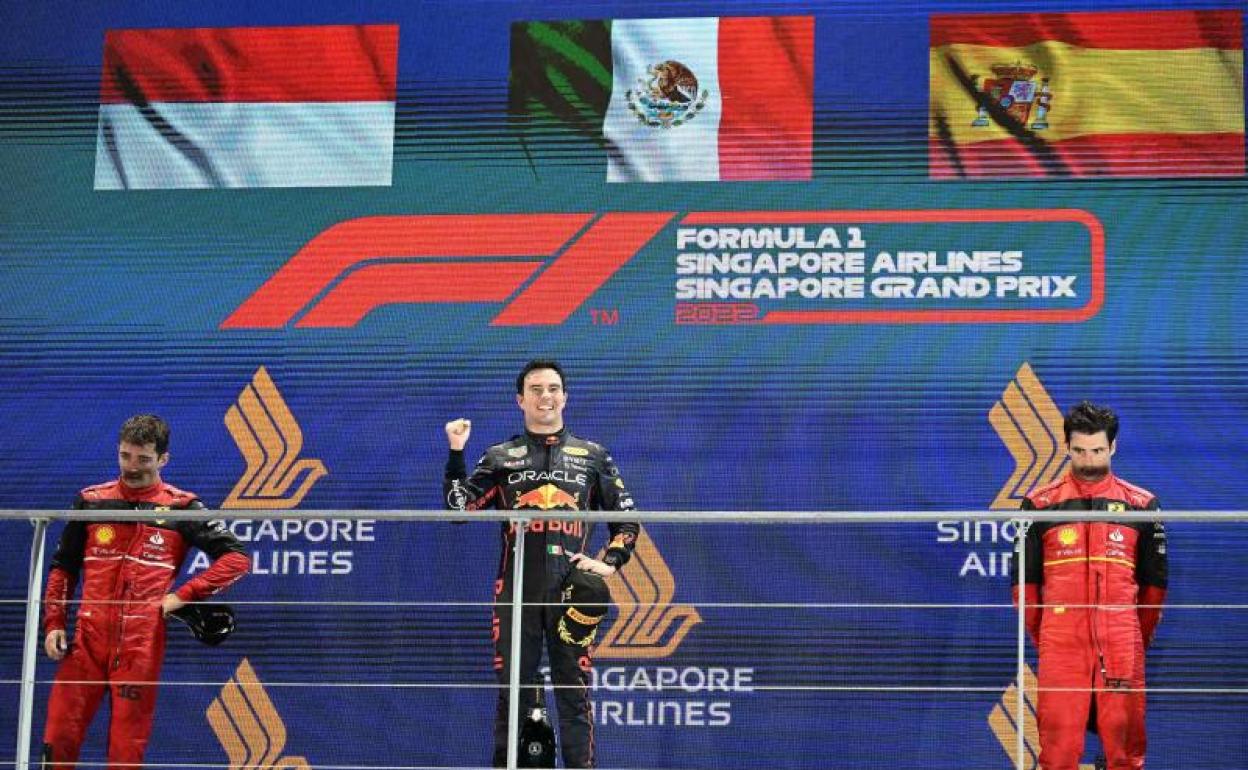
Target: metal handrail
{"points": [[41, 518], [672, 517]]}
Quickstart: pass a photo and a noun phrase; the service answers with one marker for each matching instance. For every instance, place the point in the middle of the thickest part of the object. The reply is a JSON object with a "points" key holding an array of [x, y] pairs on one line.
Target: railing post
{"points": [[30, 645], [517, 606], [1020, 706]]}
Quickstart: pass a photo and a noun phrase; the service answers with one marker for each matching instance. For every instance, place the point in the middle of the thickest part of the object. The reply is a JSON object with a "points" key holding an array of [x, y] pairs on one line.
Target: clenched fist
{"points": [[457, 432]]}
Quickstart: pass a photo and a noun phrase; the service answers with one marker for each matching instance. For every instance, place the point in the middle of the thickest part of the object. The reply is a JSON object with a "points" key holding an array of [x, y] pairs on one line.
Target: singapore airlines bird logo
{"points": [[270, 440], [248, 725], [649, 624], [1030, 425]]}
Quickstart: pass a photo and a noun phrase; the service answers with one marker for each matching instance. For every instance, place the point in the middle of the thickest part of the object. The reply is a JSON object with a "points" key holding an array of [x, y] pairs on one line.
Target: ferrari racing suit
{"points": [[126, 568], [544, 472], [1093, 580]]}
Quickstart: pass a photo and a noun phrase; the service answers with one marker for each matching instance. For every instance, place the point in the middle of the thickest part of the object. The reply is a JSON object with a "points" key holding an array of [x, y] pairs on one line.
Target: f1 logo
{"points": [[358, 265]]}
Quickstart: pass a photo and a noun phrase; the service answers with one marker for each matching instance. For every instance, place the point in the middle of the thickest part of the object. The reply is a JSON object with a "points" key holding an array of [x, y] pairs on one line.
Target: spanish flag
{"points": [[1147, 93]]}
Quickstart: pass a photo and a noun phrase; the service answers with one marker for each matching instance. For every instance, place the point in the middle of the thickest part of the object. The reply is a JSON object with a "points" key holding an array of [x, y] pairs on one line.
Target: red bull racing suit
{"points": [[544, 472], [1093, 579], [126, 568]]}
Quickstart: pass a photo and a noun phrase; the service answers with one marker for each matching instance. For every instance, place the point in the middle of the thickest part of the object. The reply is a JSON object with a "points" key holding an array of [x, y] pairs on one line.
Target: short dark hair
{"points": [[540, 363], [1090, 419], [143, 429]]}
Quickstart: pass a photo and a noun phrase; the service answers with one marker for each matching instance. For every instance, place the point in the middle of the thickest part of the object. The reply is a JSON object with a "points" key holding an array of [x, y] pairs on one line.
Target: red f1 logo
{"points": [[345, 272]]}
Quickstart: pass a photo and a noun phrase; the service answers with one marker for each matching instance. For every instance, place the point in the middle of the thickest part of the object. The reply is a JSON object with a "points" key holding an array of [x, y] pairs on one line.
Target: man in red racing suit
{"points": [[1093, 591], [126, 570], [546, 468]]}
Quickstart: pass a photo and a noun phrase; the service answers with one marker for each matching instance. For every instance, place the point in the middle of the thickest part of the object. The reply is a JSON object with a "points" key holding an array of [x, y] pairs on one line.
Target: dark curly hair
{"points": [[1089, 418], [534, 365], [143, 429]]}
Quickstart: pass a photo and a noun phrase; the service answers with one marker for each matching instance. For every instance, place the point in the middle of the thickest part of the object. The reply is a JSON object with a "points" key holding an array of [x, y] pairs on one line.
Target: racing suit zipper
{"points": [[120, 600], [1102, 589], [546, 556], [121, 628], [1093, 617], [114, 609]]}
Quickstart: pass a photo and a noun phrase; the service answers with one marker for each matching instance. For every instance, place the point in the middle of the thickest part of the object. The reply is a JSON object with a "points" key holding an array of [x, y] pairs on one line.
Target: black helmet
{"points": [[537, 740], [210, 623], [586, 600]]}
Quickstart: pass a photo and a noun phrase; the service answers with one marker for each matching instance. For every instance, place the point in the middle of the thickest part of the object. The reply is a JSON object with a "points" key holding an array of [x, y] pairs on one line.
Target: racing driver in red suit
{"points": [[545, 468], [1094, 591], [126, 570]]}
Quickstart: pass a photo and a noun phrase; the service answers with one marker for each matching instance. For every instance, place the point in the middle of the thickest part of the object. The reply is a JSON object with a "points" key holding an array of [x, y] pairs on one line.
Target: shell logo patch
{"points": [[105, 534], [1068, 536]]}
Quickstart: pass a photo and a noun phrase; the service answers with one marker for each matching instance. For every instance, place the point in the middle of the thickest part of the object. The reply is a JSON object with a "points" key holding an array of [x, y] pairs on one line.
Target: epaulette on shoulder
{"points": [[1043, 495], [1137, 496], [179, 495], [104, 491], [592, 446], [510, 443]]}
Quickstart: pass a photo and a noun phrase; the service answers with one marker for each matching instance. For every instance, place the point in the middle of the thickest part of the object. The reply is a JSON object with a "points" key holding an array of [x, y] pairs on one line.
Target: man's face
{"points": [[542, 401], [140, 464], [1089, 455]]}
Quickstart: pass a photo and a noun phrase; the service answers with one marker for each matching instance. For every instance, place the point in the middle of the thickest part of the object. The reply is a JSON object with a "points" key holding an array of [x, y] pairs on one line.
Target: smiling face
{"points": [[542, 400], [1089, 455]]}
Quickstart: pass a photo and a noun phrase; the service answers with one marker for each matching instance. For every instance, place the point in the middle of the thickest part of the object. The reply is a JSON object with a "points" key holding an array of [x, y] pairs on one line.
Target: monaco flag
{"points": [[697, 99], [247, 107]]}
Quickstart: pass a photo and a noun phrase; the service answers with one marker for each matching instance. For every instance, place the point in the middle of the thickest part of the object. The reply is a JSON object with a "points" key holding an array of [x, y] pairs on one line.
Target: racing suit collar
{"points": [[1091, 489], [138, 493], [548, 439]]}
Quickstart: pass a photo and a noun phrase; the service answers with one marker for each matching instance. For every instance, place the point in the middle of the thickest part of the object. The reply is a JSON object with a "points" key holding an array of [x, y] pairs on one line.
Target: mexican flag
{"points": [[668, 100]]}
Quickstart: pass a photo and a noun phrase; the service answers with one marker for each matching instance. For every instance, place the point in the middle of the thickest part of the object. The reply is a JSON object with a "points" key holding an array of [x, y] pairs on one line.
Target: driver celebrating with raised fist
{"points": [[545, 468]]}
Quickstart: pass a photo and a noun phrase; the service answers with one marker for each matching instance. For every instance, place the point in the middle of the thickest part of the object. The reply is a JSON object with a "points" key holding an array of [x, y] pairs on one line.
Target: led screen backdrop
{"points": [[816, 256]]}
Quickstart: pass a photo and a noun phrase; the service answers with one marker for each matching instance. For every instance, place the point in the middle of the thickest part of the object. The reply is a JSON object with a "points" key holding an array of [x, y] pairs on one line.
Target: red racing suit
{"points": [[1086, 584], [126, 568]]}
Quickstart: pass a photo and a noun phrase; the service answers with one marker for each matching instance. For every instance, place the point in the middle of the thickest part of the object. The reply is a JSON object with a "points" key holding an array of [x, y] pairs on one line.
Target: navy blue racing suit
{"points": [[544, 472]]}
